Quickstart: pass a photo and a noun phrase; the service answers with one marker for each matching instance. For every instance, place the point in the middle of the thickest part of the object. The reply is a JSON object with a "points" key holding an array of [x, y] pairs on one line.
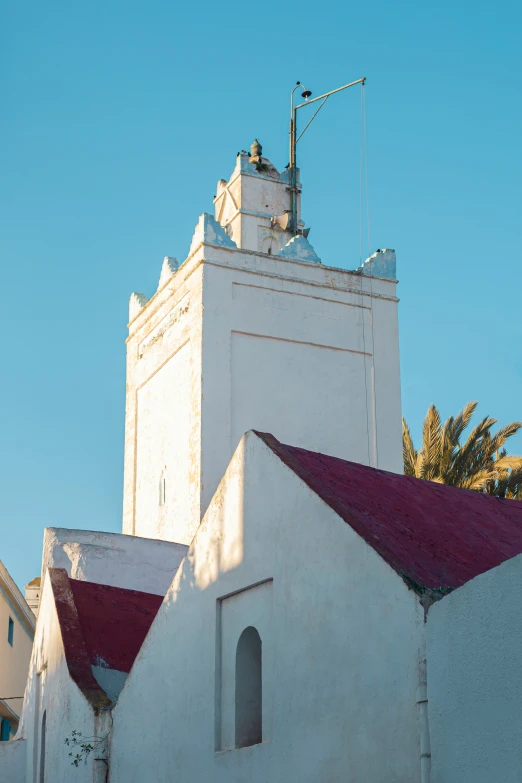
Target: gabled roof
{"points": [[435, 536], [103, 629], [114, 622]]}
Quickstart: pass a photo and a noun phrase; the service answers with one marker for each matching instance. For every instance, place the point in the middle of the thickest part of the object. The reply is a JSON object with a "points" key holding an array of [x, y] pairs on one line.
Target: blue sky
{"points": [[118, 120]]}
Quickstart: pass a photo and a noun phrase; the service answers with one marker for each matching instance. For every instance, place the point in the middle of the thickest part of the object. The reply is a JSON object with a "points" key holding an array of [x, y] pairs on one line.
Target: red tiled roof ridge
{"points": [[410, 522], [114, 589]]}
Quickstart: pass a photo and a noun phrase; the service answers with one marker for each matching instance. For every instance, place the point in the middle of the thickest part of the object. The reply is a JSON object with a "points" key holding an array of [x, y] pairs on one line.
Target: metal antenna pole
{"points": [[293, 140], [293, 166]]}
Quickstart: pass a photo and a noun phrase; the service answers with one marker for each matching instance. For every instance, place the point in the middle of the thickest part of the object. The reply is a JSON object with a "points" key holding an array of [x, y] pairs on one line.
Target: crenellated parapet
{"points": [[382, 263], [169, 267], [136, 304]]}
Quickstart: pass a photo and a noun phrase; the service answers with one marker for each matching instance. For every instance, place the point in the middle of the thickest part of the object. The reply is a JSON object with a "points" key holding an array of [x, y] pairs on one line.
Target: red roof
{"points": [[101, 626], [433, 535], [114, 622]]}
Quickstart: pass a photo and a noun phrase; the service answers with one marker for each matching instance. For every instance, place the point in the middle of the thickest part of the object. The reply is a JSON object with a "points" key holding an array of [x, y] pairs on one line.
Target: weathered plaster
{"points": [[136, 303], [113, 559], [12, 761], [111, 680], [170, 267], [381, 264], [208, 230], [300, 249]]}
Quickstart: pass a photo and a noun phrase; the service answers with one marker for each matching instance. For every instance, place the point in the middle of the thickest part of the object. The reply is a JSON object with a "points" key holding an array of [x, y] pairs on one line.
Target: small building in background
{"points": [[32, 594], [17, 625]]}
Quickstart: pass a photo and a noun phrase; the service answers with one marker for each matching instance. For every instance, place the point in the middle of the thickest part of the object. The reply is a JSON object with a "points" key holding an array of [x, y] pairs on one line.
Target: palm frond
{"points": [[431, 443], [409, 452], [500, 437], [461, 421], [481, 463]]}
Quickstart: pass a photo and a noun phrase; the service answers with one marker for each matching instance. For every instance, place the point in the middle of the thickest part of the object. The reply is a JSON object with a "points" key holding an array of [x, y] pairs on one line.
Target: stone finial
{"points": [[300, 249], [383, 263], [256, 149], [170, 267], [210, 232], [136, 303]]}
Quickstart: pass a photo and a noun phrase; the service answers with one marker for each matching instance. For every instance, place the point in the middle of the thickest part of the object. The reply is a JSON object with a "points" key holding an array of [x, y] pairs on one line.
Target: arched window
{"points": [[249, 689], [42, 748]]}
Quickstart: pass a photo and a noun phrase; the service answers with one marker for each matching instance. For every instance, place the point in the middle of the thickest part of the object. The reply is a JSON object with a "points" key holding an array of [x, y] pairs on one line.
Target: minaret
{"points": [[253, 331]]}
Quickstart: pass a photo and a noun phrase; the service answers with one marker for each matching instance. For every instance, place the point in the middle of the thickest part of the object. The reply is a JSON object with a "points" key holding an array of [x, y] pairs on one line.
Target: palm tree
{"points": [[481, 463]]}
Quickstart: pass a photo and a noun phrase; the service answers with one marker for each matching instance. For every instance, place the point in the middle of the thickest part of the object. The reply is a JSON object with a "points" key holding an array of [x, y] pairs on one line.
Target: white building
{"points": [[274, 612]]}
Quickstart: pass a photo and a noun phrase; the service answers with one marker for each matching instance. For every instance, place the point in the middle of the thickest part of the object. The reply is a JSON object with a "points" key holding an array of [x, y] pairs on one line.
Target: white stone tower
{"points": [[252, 331]]}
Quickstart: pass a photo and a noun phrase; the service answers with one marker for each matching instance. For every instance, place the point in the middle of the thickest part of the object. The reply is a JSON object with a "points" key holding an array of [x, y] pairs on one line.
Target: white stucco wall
{"points": [[163, 411], [50, 689], [342, 639], [12, 761], [299, 344], [113, 559], [474, 643], [163, 449]]}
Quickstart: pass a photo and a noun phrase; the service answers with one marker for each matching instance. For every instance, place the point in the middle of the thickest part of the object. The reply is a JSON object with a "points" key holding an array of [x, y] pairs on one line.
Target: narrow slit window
{"points": [[163, 489], [5, 731], [42, 748], [10, 631], [249, 689]]}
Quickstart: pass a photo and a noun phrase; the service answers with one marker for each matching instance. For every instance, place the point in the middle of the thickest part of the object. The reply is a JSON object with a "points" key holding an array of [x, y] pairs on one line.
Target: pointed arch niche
{"points": [[249, 689]]}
